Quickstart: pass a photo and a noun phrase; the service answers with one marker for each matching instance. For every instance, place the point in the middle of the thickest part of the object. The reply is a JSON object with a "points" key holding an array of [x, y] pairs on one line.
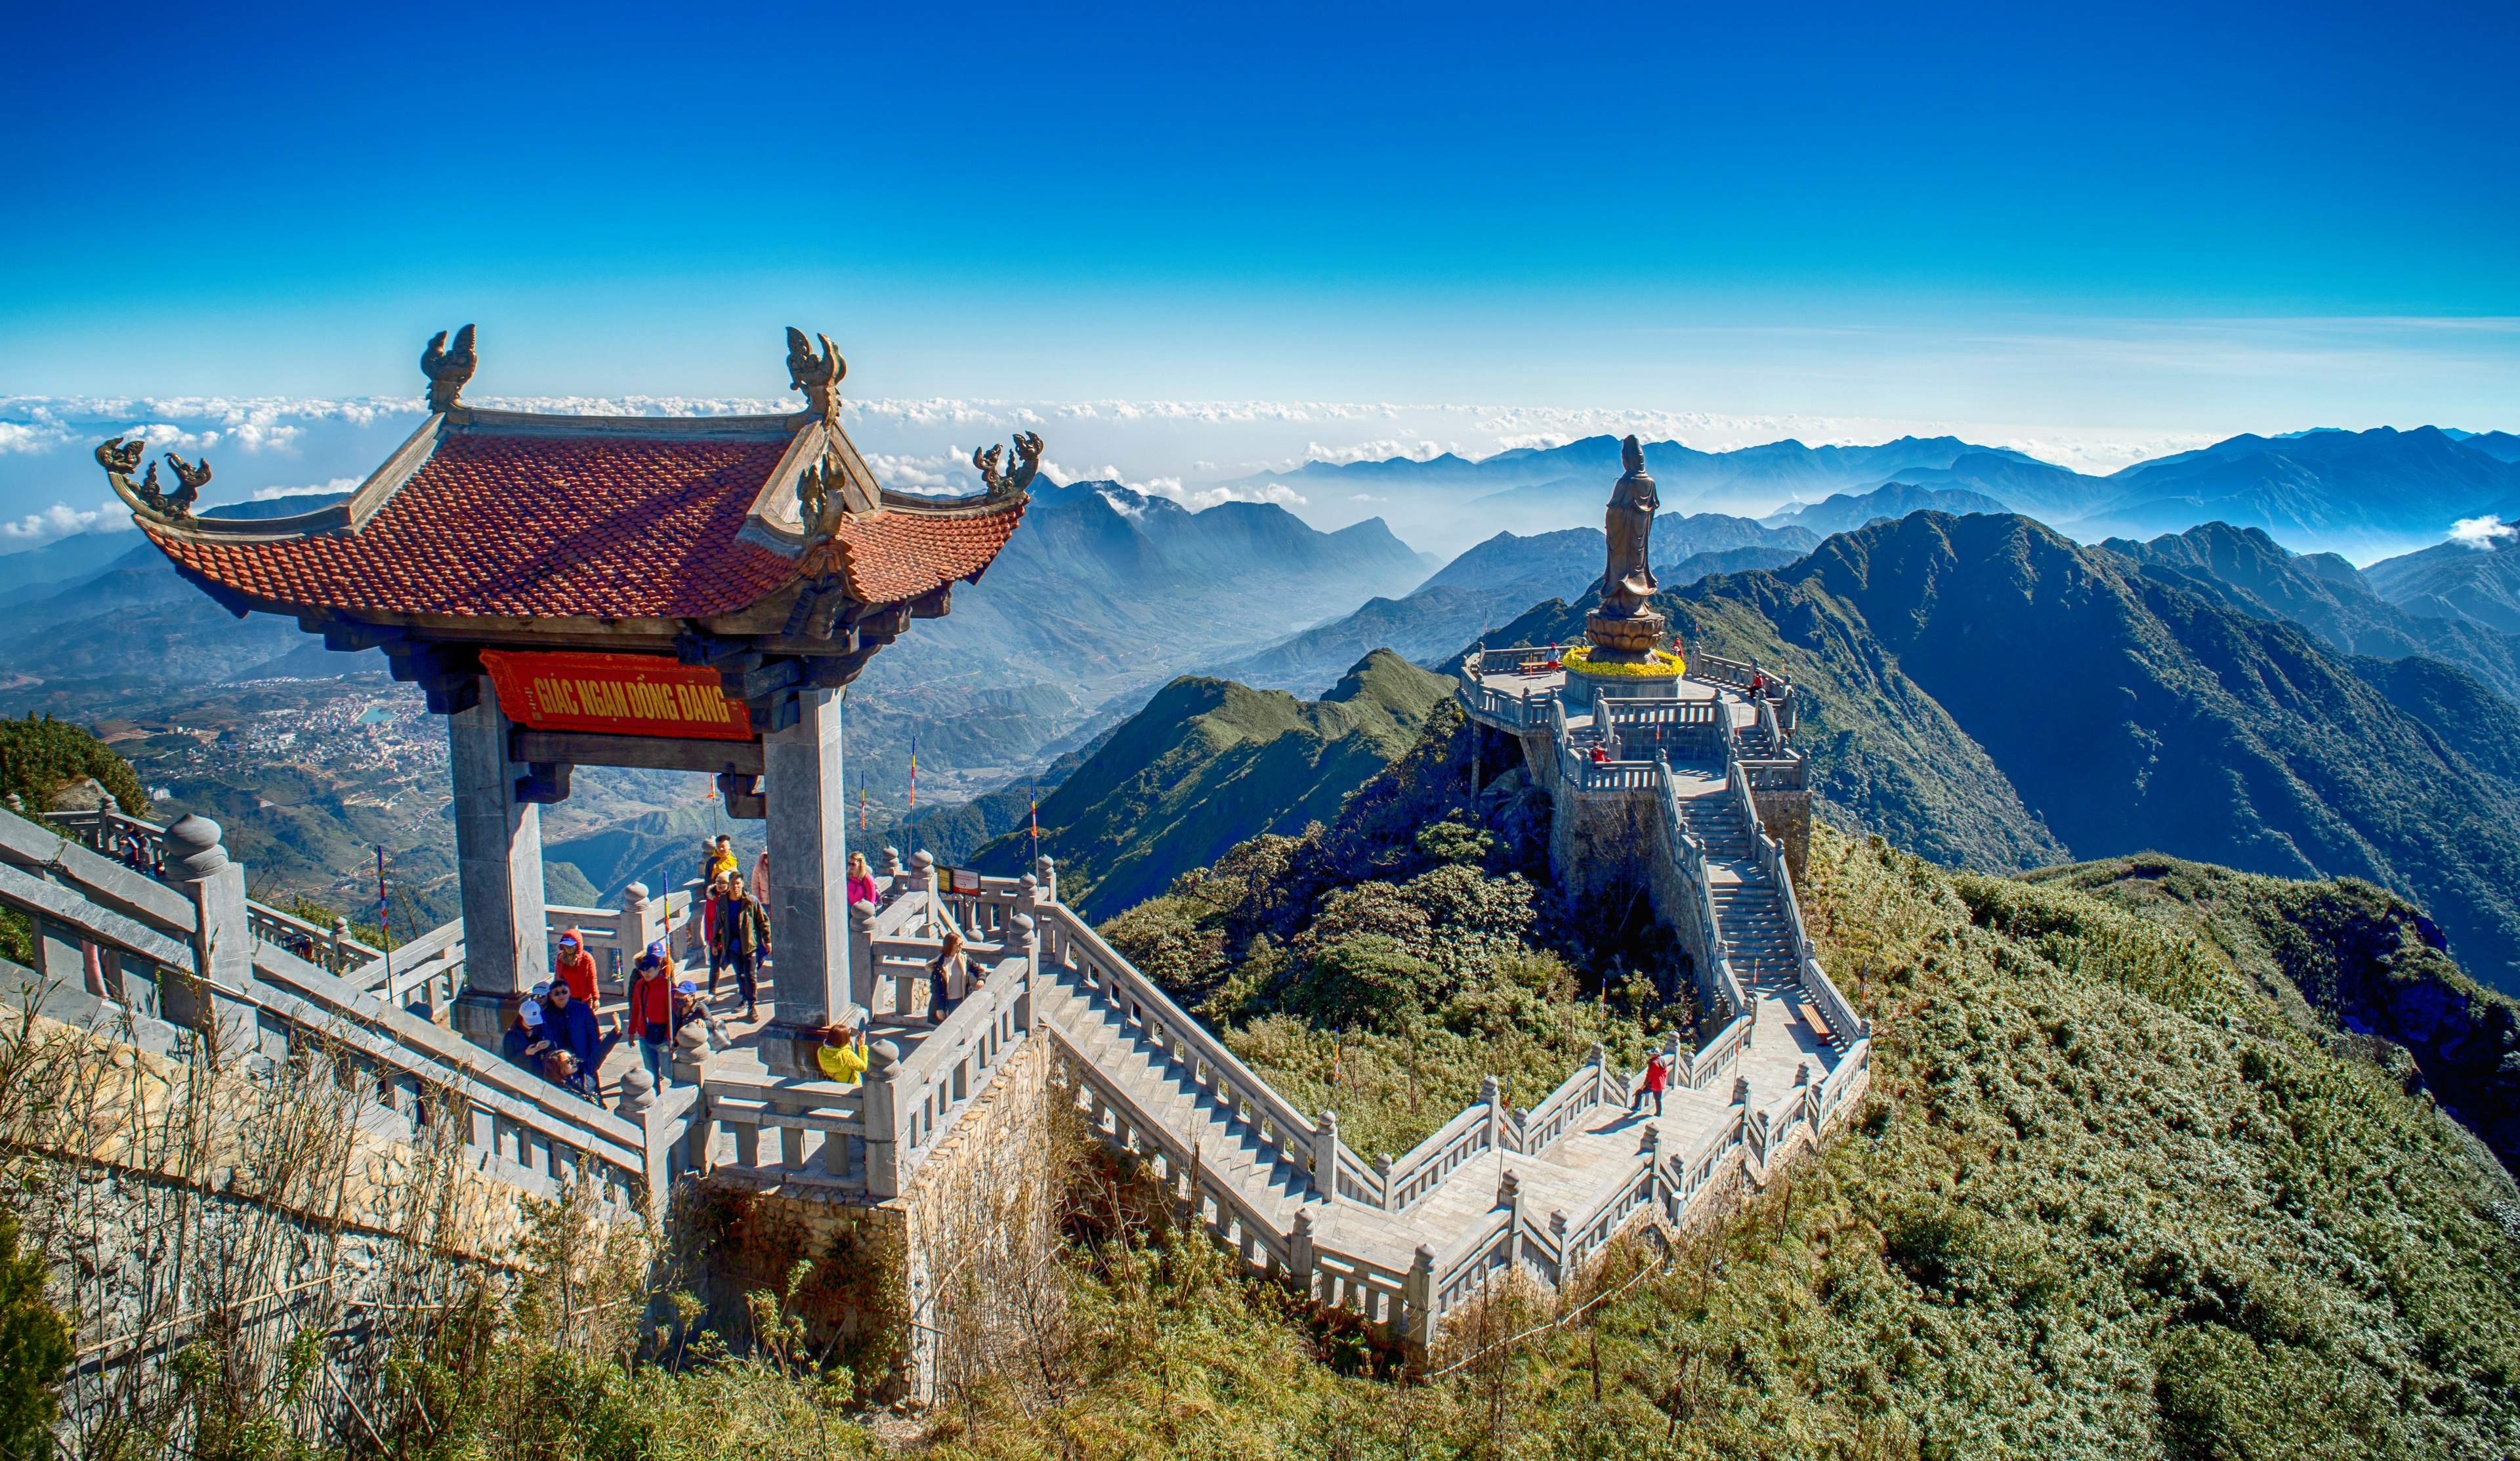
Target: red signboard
{"points": [[622, 695]]}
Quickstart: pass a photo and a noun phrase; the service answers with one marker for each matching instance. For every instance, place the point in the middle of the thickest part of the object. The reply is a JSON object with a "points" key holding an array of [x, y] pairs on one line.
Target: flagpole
{"points": [[385, 925]]}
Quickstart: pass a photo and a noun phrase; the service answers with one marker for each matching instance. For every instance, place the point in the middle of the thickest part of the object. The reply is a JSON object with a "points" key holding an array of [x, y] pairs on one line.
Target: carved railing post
{"points": [[1493, 1100], [884, 1143], [1325, 1145], [1299, 1253], [1417, 1300], [198, 866], [1048, 872], [1382, 1176], [340, 935], [1021, 941]]}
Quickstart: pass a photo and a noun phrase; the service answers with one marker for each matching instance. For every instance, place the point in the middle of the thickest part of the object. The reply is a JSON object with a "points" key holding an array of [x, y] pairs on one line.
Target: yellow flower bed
{"points": [[1663, 665]]}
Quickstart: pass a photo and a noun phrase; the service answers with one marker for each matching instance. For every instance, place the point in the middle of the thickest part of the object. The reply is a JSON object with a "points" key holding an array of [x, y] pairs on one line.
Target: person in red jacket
{"points": [[1657, 1075], [575, 967], [651, 1012]]}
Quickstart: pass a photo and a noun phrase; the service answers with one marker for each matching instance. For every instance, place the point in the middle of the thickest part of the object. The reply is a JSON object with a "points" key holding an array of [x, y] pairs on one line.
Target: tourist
{"points": [[1657, 1075], [1600, 753], [708, 863], [574, 966], [523, 1043], [761, 895], [570, 1024], [741, 929], [566, 1071], [861, 881], [949, 978], [842, 1058], [722, 858], [651, 1012], [709, 897]]}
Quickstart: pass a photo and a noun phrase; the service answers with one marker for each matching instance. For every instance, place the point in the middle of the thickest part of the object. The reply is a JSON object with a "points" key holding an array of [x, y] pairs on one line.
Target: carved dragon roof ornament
{"points": [[1017, 479], [447, 370], [118, 457], [819, 377]]}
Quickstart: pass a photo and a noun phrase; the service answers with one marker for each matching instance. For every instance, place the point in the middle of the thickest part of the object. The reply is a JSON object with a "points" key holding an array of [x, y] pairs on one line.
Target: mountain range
{"points": [[1498, 580], [1990, 694], [2367, 493]]}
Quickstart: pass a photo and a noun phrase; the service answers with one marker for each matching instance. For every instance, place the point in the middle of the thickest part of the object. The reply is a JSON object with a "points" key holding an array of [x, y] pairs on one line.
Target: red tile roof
{"points": [[899, 554], [547, 525]]}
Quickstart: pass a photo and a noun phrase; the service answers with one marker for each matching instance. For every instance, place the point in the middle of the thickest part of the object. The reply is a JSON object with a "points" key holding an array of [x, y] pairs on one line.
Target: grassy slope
{"points": [[1210, 762], [2355, 965], [2114, 1204]]}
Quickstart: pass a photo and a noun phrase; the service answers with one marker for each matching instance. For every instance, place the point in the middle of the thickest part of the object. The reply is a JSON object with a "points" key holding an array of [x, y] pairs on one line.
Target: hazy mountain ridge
{"points": [[2243, 569], [2465, 582], [1495, 582]]}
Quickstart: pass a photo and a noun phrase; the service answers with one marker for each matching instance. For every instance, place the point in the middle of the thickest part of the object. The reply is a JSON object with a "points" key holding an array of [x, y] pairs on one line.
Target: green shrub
{"points": [[34, 1351], [40, 756]]}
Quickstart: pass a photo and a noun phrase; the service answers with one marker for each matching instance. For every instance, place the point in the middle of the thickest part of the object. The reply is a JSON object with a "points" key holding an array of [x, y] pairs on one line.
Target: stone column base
{"points": [[483, 1016]]}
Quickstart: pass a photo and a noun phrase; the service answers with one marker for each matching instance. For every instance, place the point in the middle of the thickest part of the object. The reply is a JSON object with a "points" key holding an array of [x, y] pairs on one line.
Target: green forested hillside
{"points": [[1987, 693], [1210, 762], [2109, 1201]]}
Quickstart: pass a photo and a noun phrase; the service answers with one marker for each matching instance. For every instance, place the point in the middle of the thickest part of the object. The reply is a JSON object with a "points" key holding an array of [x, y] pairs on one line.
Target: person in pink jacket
{"points": [[861, 881]]}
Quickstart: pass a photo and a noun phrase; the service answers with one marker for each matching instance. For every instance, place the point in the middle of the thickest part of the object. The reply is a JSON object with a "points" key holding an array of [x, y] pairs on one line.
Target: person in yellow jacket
{"points": [[842, 1059]]}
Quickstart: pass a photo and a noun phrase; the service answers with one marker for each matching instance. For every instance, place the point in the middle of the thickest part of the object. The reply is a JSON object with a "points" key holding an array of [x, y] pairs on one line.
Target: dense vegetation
{"points": [[2109, 1201], [1383, 964], [40, 755], [2355, 966]]}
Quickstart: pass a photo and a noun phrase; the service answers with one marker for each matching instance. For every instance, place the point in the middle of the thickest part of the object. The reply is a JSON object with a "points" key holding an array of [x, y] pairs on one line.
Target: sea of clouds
{"points": [[1198, 453]]}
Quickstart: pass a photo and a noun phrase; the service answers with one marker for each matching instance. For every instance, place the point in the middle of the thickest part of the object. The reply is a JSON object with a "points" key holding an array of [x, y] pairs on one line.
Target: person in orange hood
{"points": [[575, 967]]}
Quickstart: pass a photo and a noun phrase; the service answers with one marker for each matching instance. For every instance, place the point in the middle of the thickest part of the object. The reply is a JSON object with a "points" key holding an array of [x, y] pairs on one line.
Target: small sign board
{"points": [[622, 695], [966, 880]]}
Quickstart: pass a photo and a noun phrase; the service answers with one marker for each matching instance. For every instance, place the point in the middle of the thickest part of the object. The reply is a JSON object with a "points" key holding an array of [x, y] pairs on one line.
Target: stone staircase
{"points": [[1751, 915], [1230, 1148]]}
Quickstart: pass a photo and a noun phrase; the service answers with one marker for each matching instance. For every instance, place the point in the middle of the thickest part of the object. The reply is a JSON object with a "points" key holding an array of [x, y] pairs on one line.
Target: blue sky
{"points": [[2127, 218]]}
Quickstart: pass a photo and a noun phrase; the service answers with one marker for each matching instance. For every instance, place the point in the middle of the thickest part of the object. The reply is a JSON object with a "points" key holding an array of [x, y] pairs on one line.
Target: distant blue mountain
{"points": [[1845, 510]]}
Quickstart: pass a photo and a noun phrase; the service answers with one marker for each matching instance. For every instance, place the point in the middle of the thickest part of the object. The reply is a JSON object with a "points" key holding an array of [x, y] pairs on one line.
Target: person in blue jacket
{"points": [[570, 1024], [525, 1043]]}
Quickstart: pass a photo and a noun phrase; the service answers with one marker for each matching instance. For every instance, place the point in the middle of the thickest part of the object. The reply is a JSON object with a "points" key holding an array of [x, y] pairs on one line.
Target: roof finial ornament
{"points": [[447, 370], [819, 377], [1018, 477], [118, 457]]}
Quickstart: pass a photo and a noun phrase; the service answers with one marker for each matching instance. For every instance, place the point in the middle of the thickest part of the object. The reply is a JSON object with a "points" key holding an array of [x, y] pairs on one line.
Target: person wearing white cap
{"points": [[526, 1043]]}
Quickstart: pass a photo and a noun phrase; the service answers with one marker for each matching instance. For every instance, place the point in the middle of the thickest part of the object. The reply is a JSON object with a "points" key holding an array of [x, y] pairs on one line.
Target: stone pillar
{"points": [[883, 1120], [1325, 1144], [198, 867], [809, 875], [1300, 1257], [499, 867]]}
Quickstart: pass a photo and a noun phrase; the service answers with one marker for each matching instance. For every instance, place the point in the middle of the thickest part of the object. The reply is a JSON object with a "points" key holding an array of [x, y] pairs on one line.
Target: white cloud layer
{"points": [[62, 520], [2481, 532]]}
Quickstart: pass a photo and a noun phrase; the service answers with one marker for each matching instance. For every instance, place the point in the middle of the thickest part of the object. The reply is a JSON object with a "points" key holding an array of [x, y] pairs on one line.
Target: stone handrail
{"points": [[1072, 943], [227, 998], [1719, 1053], [1177, 1155], [1542, 1124], [1791, 774], [1692, 1177], [1808, 969], [1426, 1166], [911, 1100], [789, 1107]]}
